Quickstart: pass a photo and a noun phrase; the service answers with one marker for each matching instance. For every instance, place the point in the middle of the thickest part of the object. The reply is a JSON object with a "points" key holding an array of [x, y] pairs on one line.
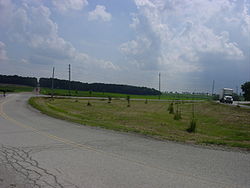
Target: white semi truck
{"points": [[226, 95]]}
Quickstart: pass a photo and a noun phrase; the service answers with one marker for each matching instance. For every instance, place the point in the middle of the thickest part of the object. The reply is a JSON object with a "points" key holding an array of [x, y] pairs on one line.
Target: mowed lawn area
{"points": [[15, 88], [216, 123]]}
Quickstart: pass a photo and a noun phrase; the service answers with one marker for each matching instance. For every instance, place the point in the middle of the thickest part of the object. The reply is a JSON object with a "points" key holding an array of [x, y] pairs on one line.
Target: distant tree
{"points": [[246, 89], [128, 99], [98, 87], [109, 99], [236, 97], [171, 108], [177, 115], [216, 97], [192, 127], [89, 104]]}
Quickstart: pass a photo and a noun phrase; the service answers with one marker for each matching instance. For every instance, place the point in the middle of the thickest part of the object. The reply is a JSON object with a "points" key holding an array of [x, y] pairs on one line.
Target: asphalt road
{"points": [[40, 151]]}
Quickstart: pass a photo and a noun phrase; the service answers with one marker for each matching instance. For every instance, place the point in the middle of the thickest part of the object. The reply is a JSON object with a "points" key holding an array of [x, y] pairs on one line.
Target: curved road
{"points": [[40, 151]]}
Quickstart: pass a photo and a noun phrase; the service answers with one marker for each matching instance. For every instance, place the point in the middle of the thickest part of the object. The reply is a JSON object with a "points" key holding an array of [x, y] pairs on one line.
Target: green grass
{"points": [[170, 96], [15, 88], [216, 124]]}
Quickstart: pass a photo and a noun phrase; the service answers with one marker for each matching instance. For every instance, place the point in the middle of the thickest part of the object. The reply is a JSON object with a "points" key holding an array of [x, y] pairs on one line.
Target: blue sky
{"points": [[191, 42]]}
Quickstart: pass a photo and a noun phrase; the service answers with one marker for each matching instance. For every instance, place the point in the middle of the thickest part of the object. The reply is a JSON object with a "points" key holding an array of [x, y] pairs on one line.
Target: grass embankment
{"points": [[15, 88], [169, 96], [216, 123]]}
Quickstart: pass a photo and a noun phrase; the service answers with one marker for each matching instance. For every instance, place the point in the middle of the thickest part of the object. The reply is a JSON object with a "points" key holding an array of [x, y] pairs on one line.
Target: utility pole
{"points": [[159, 85], [52, 85], [69, 79], [213, 88]]}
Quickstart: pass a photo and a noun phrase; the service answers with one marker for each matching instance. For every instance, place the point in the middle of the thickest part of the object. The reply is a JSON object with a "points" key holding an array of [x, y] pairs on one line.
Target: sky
{"points": [[190, 42]]}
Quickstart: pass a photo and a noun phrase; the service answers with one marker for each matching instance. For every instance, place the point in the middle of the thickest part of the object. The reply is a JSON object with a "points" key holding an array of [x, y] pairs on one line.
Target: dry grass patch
{"points": [[216, 123]]}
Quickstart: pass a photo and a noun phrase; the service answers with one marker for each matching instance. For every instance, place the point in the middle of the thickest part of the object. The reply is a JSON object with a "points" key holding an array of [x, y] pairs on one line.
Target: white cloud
{"points": [[65, 5], [25, 61], [32, 26], [136, 47], [181, 33], [246, 20], [100, 13], [144, 3], [135, 21], [6, 10], [3, 53]]}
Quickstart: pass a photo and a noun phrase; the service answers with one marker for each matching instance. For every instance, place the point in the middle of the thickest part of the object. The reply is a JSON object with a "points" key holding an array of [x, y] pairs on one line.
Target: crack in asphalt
{"points": [[21, 162]]}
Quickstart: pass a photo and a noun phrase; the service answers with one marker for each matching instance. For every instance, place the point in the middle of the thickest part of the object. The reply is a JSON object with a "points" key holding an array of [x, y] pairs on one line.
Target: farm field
{"points": [[15, 88], [216, 123], [169, 96]]}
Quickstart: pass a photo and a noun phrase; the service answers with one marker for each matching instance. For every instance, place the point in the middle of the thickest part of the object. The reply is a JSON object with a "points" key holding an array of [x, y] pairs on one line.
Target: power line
{"points": [[213, 88], [52, 85], [69, 79], [159, 85]]}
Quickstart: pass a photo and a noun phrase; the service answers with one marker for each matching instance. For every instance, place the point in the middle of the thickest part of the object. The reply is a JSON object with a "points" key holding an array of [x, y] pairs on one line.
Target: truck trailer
{"points": [[226, 95]]}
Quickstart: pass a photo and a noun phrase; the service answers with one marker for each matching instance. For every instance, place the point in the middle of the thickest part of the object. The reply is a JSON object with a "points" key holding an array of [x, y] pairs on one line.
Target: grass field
{"points": [[216, 123], [170, 96], [15, 88]]}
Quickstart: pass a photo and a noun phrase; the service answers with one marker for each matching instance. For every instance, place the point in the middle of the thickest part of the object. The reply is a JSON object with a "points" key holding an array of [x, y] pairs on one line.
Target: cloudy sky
{"points": [[191, 42]]}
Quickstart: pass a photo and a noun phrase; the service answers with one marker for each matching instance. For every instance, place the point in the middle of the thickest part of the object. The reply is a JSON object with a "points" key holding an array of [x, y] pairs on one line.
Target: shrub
{"points": [[171, 108], [177, 115], [109, 99], [192, 127], [88, 104], [128, 99]]}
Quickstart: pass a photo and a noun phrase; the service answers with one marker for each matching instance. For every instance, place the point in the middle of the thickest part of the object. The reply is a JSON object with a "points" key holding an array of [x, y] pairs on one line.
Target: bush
{"points": [[109, 99], [128, 99], [177, 115], [215, 97], [192, 127], [88, 104], [171, 108], [236, 97]]}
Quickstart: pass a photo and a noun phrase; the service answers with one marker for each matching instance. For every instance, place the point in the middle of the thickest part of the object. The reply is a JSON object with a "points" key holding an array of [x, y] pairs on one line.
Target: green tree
{"points": [[109, 99], [246, 89], [128, 99], [171, 108]]}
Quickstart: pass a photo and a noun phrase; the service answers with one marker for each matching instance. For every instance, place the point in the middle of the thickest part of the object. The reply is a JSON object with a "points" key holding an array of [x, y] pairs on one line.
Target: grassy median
{"points": [[216, 123]]}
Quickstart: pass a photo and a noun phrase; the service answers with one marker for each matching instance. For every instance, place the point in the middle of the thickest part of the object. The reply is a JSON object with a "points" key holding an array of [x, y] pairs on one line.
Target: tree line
{"points": [[98, 87], [18, 80]]}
